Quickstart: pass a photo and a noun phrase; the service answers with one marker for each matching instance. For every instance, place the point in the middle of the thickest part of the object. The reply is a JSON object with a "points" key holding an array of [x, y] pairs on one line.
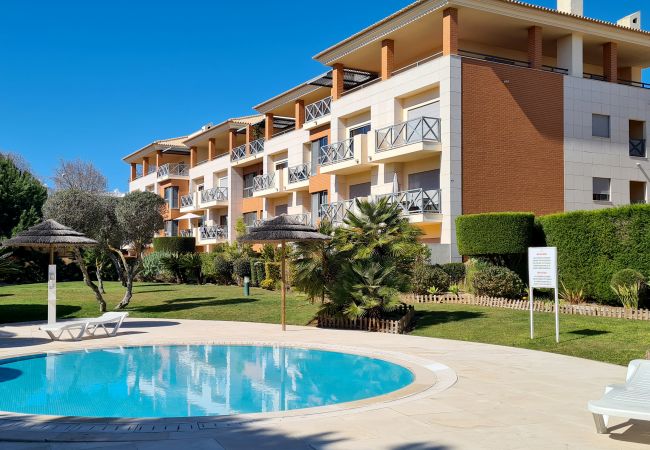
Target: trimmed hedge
{"points": [[593, 245], [174, 244], [494, 233]]}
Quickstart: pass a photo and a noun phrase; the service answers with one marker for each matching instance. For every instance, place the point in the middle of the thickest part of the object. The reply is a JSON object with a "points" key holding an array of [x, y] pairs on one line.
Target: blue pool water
{"points": [[196, 380]]}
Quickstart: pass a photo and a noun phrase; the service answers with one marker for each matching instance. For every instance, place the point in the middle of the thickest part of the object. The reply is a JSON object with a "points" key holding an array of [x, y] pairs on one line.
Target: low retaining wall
{"points": [[397, 326], [524, 305]]}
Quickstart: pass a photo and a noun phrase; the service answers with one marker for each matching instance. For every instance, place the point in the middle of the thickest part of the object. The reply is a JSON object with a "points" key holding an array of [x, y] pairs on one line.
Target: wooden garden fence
{"points": [[524, 305], [396, 326]]}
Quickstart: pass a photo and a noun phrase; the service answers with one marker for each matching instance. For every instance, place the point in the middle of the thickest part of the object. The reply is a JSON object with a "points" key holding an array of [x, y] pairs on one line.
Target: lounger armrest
{"points": [[634, 366], [611, 387]]}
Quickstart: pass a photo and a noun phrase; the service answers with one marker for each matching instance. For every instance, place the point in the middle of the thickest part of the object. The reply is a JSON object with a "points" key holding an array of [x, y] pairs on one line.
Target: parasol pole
{"points": [[51, 289], [284, 290]]}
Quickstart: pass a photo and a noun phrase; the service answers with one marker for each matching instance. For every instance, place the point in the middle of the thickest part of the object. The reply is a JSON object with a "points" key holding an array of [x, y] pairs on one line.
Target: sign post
{"points": [[542, 273]]}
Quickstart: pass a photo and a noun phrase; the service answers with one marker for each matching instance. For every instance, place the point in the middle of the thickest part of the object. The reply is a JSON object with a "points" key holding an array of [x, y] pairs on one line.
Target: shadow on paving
{"points": [[182, 304], [33, 313], [427, 318], [134, 323]]}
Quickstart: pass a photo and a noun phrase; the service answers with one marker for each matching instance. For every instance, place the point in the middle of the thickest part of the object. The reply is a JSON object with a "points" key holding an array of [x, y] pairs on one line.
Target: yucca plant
{"points": [[454, 289], [433, 290], [572, 296], [628, 294]]}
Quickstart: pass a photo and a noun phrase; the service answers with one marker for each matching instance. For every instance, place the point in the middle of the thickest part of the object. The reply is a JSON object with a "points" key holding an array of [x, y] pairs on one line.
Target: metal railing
{"points": [[264, 182], [639, 84], [417, 63], [318, 109], [637, 148], [216, 194], [593, 76], [299, 173], [298, 219], [493, 58], [554, 69], [213, 232], [335, 212], [187, 200], [187, 233], [336, 152], [180, 169], [415, 201], [256, 147], [415, 130], [248, 192], [238, 153], [151, 169]]}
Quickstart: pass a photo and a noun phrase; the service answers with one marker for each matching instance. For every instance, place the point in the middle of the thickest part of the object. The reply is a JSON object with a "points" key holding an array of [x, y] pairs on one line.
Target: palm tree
{"points": [[368, 292], [7, 266], [314, 264]]}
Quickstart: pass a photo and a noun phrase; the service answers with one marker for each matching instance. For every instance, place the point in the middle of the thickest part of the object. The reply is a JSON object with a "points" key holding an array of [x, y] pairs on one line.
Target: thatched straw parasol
{"points": [[280, 230], [50, 235]]}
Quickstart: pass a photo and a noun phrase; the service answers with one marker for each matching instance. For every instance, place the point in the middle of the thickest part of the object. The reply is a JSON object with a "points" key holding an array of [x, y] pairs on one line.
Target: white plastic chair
{"points": [[110, 322]]}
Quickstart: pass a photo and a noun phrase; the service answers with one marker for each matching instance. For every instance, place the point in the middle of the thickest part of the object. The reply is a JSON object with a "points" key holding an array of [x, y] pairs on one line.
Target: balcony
{"points": [[345, 157], [416, 204], [212, 234], [318, 113], [335, 212], [187, 233], [298, 219], [269, 185], [406, 141], [298, 177], [637, 148], [189, 203], [173, 170], [247, 154], [217, 196]]}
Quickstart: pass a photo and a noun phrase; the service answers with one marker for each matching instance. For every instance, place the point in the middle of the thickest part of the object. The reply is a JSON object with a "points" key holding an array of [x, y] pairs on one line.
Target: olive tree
{"points": [[80, 176], [139, 217]]}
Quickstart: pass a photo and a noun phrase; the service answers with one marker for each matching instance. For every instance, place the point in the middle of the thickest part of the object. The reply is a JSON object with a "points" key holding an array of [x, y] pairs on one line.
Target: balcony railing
{"points": [[217, 194], [256, 147], [336, 152], [187, 200], [151, 169], [299, 173], [248, 192], [510, 61], [180, 169], [213, 232], [415, 130], [238, 153], [639, 84], [264, 182], [335, 212], [298, 219], [318, 109], [637, 148], [187, 233], [415, 201]]}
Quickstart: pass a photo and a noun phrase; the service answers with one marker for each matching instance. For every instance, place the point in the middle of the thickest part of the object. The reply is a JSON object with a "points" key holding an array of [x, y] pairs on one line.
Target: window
{"points": [[223, 182], [429, 180], [171, 228], [637, 138], [637, 192], [429, 110], [281, 165], [315, 153], [248, 184], [281, 209], [363, 129], [250, 218], [318, 199], [600, 125], [601, 189], [223, 221], [359, 190], [171, 197]]}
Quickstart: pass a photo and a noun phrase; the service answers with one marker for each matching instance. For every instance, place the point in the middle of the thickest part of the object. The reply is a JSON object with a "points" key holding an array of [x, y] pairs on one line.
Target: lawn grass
{"points": [[610, 340], [27, 302]]}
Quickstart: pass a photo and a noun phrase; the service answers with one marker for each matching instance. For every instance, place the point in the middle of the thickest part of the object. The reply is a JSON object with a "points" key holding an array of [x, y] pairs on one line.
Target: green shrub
{"points": [[260, 274], [242, 268], [426, 276], [254, 280], [496, 281], [268, 284], [594, 245], [272, 271], [222, 269], [152, 267], [191, 264], [494, 234], [207, 267], [627, 277], [628, 294], [472, 267], [175, 244], [456, 272]]}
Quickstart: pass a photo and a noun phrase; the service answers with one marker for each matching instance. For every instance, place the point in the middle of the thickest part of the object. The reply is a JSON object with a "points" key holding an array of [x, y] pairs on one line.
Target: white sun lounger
{"points": [[110, 322], [630, 400]]}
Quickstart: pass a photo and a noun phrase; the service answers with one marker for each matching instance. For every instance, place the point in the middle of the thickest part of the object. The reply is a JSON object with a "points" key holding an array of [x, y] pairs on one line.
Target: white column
{"points": [[235, 192], [570, 54]]}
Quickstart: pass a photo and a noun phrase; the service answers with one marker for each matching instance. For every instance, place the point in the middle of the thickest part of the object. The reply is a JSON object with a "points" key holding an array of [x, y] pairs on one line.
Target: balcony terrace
{"points": [[413, 139], [217, 196], [298, 177], [247, 154], [173, 171], [345, 157]]}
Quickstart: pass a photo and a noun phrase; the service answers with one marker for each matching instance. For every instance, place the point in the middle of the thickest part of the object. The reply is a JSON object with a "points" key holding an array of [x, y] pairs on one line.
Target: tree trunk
{"points": [[129, 291], [118, 266], [89, 282], [100, 280]]}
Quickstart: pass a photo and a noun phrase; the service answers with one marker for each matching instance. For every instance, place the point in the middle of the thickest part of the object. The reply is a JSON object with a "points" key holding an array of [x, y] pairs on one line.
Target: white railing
{"points": [[187, 200], [187, 233], [151, 169], [335, 212], [217, 194], [416, 201], [299, 173], [180, 169], [213, 232], [318, 109], [336, 152], [416, 130], [298, 219], [248, 192], [264, 182], [238, 153], [256, 147]]}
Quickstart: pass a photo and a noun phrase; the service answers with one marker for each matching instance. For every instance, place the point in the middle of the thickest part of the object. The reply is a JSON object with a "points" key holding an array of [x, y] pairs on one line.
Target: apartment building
{"points": [[446, 107]]}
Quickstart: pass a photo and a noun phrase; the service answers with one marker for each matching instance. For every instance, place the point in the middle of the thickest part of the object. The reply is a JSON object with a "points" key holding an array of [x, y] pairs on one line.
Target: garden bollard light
{"points": [[247, 282]]}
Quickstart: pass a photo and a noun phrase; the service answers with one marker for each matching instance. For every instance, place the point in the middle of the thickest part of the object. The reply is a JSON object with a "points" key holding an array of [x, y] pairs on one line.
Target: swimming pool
{"points": [[192, 380]]}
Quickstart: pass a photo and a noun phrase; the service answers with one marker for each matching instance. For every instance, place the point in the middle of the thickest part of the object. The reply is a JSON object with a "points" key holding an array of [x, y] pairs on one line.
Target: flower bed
{"points": [[394, 326], [524, 305]]}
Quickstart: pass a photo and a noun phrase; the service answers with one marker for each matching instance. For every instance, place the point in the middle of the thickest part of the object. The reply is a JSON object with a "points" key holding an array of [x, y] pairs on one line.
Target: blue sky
{"points": [[96, 80]]}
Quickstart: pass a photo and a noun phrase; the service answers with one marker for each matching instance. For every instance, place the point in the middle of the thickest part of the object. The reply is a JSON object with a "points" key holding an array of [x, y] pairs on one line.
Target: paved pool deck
{"points": [[492, 398]]}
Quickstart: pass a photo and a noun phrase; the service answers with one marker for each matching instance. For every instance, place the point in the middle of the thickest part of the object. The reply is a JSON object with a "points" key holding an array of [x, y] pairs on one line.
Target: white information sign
{"points": [[542, 273], [51, 294]]}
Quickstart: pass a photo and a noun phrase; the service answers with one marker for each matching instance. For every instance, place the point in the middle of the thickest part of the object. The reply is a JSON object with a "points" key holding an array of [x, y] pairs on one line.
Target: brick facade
{"points": [[450, 31], [512, 139], [387, 58], [337, 81], [535, 47], [610, 61]]}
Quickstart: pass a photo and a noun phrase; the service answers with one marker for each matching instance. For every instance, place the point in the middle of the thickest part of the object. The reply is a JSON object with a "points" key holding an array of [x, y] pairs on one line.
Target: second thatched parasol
{"points": [[281, 230]]}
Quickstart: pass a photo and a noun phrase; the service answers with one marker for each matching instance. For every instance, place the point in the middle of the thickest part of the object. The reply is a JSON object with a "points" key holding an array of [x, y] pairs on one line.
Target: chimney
{"points": [[570, 6], [632, 21]]}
